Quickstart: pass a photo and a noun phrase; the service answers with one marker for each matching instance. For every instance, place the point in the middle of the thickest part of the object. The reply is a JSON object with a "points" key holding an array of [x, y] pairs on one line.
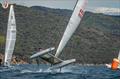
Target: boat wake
{"points": [[64, 70]]}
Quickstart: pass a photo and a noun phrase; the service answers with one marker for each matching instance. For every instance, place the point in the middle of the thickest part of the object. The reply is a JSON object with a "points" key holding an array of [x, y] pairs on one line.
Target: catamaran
{"points": [[71, 27], [115, 63], [11, 37]]}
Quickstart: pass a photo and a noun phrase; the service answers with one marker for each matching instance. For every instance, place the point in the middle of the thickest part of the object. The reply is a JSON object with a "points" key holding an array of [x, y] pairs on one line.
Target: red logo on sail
{"points": [[5, 5], [81, 13]]}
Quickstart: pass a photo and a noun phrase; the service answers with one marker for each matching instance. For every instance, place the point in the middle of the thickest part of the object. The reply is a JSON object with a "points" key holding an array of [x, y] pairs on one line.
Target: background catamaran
{"points": [[11, 37], [71, 27]]}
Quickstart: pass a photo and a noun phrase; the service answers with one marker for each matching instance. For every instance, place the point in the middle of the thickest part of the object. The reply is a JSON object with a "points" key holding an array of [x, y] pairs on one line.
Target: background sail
{"points": [[72, 25], [11, 37]]}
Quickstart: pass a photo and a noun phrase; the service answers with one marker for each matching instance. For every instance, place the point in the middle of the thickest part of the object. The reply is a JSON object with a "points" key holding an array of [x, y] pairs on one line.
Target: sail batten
{"points": [[72, 25], [11, 37]]}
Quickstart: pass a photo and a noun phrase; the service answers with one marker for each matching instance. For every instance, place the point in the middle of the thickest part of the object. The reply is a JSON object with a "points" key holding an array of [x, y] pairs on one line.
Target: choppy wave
{"points": [[69, 72]]}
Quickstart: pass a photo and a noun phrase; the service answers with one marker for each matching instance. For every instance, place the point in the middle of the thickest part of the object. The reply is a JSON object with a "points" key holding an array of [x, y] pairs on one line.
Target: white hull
{"points": [[62, 64], [42, 52]]}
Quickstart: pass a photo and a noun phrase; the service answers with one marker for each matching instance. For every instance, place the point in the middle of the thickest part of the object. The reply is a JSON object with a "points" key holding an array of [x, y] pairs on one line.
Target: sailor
{"points": [[40, 49], [115, 64]]}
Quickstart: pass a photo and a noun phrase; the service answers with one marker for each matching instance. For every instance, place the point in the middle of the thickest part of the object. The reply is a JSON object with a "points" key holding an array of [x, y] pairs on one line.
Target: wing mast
{"points": [[11, 37], [72, 25], [119, 56]]}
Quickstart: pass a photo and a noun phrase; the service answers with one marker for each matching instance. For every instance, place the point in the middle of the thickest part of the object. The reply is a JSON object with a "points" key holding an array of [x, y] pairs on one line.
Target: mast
{"points": [[11, 37], [119, 56], [72, 25]]}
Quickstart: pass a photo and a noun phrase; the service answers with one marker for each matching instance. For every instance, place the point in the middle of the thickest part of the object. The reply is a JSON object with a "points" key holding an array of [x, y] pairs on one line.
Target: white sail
{"points": [[72, 25], [11, 37], [119, 56]]}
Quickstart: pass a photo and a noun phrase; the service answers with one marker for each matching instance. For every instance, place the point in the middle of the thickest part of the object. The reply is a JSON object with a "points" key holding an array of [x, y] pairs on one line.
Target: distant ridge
{"points": [[64, 12]]}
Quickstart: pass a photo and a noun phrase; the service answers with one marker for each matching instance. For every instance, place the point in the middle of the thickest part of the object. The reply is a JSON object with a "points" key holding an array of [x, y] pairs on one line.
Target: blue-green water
{"points": [[69, 72]]}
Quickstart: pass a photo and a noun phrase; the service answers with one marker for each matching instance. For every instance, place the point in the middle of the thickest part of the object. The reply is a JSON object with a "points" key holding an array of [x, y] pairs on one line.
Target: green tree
{"points": [[2, 41]]}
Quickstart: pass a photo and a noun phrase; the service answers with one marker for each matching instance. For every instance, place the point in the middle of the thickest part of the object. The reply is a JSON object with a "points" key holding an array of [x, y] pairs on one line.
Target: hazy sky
{"points": [[69, 4]]}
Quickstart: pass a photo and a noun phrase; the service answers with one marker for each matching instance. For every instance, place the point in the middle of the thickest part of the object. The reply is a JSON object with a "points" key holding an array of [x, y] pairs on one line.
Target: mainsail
{"points": [[72, 25], [11, 37]]}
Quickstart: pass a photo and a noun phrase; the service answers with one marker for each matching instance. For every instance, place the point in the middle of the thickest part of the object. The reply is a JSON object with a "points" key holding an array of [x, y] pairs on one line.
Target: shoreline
{"points": [[16, 60]]}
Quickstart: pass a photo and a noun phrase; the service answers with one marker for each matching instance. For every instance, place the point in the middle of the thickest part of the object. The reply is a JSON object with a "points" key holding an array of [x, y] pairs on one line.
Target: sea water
{"points": [[30, 71]]}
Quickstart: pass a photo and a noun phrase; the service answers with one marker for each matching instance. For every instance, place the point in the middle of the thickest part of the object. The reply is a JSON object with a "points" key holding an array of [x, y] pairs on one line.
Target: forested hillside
{"points": [[97, 39]]}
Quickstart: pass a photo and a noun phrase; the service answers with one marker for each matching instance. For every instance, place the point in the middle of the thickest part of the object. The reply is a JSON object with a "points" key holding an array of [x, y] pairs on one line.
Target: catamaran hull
{"points": [[62, 64], [42, 52]]}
